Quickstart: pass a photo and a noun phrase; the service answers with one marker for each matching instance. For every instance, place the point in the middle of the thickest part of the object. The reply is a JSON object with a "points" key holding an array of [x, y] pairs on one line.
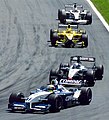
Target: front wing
{"points": [[28, 107]]}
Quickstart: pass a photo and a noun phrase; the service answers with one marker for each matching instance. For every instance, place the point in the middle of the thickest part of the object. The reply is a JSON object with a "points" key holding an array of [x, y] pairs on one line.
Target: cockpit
{"points": [[76, 66]]}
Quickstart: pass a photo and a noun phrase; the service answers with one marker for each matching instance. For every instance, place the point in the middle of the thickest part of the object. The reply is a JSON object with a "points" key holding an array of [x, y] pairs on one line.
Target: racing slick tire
{"points": [[53, 75], [56, 103], [85, 96], [59, 14], [63, 16], [19, 97], [90, 78], [53, 37], [89, 18], [85, 40], [99, 72], [12, 98], [63, 71], [51, 34]]}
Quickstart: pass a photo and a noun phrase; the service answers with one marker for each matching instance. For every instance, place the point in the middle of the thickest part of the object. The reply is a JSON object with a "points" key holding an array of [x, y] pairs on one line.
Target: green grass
{"points": [[103, 8]]}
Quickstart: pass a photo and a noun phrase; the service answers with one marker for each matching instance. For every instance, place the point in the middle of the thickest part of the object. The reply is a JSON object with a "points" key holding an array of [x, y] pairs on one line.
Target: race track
{"points": [[26, 58]]}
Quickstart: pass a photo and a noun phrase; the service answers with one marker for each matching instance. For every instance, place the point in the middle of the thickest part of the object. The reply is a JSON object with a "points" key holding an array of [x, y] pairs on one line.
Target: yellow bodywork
{"points": [[69, 34]]}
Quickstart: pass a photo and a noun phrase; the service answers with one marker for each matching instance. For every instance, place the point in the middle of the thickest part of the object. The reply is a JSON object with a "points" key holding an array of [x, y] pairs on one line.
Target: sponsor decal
{"points": [[65, 81], [69, 98], [90, 59]]}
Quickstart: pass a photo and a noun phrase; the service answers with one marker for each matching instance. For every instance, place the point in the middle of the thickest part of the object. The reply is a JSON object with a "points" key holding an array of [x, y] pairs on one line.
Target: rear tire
{"points": [[89, 18], [99, 72], [85, 40], [85, 96]]}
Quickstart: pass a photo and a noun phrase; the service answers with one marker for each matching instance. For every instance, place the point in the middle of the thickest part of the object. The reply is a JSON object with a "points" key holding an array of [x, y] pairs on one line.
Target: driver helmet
{"points": [[54, 82], [68, 28], [50, 88], [75, 5], [76, 66]]}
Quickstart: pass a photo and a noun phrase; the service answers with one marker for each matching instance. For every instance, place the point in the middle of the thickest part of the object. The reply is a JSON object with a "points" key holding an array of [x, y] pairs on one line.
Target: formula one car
{"points": [[49, 99], [76, 73], [74, 14], [69, 37]]}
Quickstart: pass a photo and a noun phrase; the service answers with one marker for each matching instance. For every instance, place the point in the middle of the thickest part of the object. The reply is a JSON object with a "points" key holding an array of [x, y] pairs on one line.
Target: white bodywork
{"points": [[77, 94], [73, 71], [32, 97], [36, 97], [76, 14], [41, 95]]}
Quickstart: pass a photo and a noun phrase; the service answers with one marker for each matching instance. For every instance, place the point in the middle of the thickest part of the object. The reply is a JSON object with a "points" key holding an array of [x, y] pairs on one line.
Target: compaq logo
{"points": [[62, 81]]}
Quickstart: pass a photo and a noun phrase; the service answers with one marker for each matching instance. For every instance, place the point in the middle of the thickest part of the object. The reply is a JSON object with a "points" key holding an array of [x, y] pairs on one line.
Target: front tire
{"points": [[16, 97], [53, 75], [63, 16], [53, 37], [55, 102], [59, 14]]}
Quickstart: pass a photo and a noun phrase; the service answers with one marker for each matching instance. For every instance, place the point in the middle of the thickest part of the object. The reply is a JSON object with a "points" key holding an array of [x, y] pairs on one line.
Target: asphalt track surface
{"points": [[26, 58]]}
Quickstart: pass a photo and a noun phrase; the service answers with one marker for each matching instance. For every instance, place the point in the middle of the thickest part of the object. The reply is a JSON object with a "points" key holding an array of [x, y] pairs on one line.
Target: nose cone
{"points": [[69, 36], [72, 72]]}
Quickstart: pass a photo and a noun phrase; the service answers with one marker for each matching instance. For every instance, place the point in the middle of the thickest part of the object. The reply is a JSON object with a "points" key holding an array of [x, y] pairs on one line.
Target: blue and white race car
{"points": [[51, 98]]}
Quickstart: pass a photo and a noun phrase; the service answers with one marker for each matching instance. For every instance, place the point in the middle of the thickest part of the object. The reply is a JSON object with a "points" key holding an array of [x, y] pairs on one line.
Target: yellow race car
{"points": [[70, 37]]}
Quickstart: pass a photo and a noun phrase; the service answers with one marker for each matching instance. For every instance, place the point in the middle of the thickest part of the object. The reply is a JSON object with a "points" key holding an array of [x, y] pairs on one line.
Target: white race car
{"points": [[75, 73], [74, 14]]}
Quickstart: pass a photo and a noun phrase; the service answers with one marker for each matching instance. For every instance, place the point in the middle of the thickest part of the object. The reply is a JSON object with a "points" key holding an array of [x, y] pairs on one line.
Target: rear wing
{"points": [[82, 58], [65, 26], [73, 5]]}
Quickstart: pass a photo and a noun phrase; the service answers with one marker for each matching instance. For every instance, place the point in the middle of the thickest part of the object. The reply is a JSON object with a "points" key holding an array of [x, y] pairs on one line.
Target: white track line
{"points": [[99, 15]]}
